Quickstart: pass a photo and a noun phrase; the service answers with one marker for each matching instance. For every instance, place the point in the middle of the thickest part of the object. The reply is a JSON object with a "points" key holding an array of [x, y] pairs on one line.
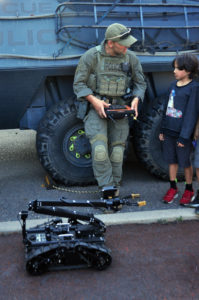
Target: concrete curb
{"points": [[145, 217]]}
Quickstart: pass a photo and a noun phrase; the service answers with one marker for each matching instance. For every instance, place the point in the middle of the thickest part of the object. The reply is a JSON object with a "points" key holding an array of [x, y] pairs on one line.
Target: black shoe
{"points": [[197, 210], [109, 191], [195, 202]]}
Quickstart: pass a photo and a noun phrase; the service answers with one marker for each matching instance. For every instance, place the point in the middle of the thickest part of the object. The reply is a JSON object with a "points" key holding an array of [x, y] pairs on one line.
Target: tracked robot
{"points": [[77, 243]]}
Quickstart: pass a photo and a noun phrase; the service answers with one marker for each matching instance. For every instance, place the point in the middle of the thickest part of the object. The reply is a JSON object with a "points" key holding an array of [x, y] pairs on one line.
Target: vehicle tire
{"points": [[63, 149], [146, 143]]}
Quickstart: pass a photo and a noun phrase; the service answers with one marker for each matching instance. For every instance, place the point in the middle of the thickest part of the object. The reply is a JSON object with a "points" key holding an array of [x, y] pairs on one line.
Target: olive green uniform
{"points": [[107, 77]]}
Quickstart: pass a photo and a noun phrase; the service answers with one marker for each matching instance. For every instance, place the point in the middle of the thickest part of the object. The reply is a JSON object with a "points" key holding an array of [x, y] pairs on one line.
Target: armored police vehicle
{"points": [[41, 42]]}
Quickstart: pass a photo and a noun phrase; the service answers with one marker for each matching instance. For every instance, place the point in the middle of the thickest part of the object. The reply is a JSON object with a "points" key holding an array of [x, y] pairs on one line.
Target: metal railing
{"points": [[162, 26]]}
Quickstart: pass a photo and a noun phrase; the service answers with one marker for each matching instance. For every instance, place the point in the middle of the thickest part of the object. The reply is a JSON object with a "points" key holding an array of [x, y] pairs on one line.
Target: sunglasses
{"points": [[122, 35]]}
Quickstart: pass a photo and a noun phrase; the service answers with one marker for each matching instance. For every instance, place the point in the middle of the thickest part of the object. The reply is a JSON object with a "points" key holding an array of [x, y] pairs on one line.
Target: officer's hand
{"points": [[99, 106], [134, 105]]}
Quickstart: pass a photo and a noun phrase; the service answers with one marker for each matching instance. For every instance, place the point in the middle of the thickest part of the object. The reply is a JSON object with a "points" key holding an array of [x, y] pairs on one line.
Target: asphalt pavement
{"points": [[22, 180], [149, 262], [154, 248]]}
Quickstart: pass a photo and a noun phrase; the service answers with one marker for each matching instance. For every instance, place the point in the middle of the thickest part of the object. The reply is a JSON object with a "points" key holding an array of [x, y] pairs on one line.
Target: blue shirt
{"points": [[181, 111]]}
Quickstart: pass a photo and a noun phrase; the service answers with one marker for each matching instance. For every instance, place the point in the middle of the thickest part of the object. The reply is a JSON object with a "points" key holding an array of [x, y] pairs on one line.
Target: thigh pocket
{"points": [[119, 131], [94, 125]]}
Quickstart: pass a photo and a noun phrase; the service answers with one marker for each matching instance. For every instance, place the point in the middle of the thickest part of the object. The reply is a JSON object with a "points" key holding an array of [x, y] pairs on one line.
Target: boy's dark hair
{"points": [[187, 62]]}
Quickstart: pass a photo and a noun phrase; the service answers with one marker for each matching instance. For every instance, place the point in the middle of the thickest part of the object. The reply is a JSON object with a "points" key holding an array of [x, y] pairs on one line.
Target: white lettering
{"points": [[29, 11], [25, 7], [46, 37], [10, 8], [1, 38], [13, 42], [30, 38], [45, 8]]}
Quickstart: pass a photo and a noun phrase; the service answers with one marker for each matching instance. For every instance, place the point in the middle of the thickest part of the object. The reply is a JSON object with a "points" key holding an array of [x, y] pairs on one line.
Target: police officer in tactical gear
{"points": [[103, 76]]}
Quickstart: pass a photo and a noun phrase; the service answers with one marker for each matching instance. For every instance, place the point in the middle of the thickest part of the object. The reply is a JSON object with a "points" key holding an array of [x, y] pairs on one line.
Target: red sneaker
{"points": [[187, 197], [170, 195]]}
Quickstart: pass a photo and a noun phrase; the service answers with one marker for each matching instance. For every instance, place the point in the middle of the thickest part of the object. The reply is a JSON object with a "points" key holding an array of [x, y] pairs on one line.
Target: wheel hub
{"points": [[77, 146]]}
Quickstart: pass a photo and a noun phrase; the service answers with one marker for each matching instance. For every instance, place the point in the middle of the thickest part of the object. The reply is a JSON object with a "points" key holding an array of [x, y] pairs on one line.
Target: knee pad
{"points": [[100, 153], [117, 154]]}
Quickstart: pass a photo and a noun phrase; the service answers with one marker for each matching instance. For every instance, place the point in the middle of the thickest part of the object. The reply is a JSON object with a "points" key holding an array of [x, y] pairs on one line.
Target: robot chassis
{"points": [[79, 243]]}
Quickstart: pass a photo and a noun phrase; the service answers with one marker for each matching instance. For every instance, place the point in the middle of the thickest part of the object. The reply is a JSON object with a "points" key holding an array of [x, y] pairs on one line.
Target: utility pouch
{"points": [[111, 84], [82, 107]]}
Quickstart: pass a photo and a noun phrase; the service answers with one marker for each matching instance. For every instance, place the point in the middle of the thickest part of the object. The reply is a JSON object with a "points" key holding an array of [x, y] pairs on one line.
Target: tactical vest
{"points": [[110, 77]]}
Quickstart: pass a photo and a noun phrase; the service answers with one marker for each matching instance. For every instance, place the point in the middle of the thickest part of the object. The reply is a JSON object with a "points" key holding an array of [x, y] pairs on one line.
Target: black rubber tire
{"points": [[54, 146], [146, 141]]}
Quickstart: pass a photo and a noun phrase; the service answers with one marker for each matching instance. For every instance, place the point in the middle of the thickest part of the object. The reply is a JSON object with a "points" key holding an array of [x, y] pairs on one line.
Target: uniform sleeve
{"points": [[190, 116], [139, 83], [82, 73]]}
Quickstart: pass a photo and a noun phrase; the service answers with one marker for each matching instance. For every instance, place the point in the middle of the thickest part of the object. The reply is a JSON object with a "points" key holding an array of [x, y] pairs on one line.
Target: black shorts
{"points": [[176, 155]]}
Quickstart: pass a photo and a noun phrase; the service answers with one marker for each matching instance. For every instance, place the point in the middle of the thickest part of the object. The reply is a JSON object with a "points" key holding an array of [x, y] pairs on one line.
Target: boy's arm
{"points": [[196, 131], [161, 137], [165, 103], [190, 116]]}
